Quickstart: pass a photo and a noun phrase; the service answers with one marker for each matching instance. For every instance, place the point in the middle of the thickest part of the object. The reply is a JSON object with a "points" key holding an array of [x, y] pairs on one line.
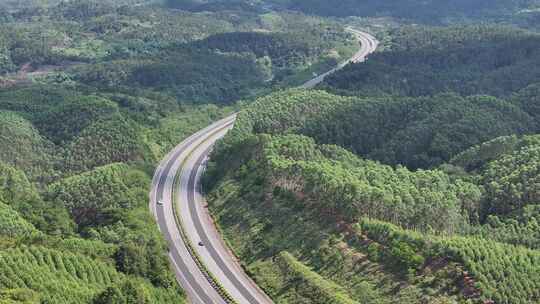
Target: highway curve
{"points": [[368, 44], [204, 266]]}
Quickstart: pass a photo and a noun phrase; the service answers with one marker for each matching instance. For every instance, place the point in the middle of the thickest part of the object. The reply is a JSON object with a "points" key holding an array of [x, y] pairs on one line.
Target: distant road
{"points": [[200, 257], [368, 44]]}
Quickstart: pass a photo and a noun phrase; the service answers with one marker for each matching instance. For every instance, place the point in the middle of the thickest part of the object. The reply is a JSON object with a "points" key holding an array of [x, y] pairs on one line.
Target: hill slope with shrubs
{"points": [[441, 219]]}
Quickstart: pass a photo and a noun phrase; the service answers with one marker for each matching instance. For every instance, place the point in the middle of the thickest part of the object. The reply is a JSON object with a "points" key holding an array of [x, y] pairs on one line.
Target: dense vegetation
{"points": [[416, 132], [521, 12], [477, 235], [83, 232], [115, 46], [65, 260], [421, 200], [308, 285], [505, 167], [74, 183], [288, 182], [463, 226], [431, 11], [481, 59]]}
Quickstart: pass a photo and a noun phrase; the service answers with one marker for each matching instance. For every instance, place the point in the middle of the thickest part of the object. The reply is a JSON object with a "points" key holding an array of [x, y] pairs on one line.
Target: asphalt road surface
{"points": [[176, 181], [188, 274]]}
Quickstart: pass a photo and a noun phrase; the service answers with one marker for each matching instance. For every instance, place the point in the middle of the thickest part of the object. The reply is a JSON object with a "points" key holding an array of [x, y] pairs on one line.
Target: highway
{"points": [[368, 44], [203, 264]]}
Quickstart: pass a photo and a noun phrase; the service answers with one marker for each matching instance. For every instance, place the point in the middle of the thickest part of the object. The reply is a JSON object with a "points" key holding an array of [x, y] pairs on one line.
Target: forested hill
{"points": [[74, 221], [483, 59], [415, 132], [455, 230], [409, 178], [118, 47], [523, 12], [417, 169], [431, 11], [414, 9]]}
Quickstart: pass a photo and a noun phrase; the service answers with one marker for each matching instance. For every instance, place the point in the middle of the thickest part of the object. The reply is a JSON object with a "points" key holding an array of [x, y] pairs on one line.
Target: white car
{"points": [[160, 202]]}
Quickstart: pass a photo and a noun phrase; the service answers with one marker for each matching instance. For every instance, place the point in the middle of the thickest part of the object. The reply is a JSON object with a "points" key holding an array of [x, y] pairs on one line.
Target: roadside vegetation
{"points": [[418, 191]]}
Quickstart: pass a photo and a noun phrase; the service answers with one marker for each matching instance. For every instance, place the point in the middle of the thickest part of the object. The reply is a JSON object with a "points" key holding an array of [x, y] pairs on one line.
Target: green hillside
{"points": [[59, 277], [12, 224], [27, 149], [462, 231], [415, 132], [430, 11], [480, 59], [56, 264]]}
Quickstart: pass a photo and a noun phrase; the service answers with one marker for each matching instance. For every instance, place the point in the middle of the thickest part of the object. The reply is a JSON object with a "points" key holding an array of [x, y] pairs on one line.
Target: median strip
{"points": [[189, 245]]}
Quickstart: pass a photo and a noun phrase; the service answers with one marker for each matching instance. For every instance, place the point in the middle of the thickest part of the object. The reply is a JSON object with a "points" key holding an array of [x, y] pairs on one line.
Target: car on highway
{"points": [[160, 202], [201, 244]]}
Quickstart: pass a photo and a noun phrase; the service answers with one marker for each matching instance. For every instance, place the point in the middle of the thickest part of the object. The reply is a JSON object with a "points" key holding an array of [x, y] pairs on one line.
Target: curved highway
{"points": [[368, 44], [204, 266]]}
